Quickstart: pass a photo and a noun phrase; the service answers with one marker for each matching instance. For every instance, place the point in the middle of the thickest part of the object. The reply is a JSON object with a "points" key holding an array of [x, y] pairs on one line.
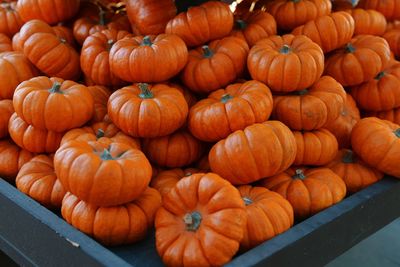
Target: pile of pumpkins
{"points": [[218, 128]]}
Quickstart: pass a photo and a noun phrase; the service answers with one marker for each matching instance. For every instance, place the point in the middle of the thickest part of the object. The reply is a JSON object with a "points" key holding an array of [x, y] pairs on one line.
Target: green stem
{"points": [[302, 92], [349, 48], [296, 1], [241, 24], [247, 201], [100, 133], [145, 92], [106, 155], [299, 175], [348, 157], [146, 41], [285, 49], [207, 52], [380, 75], [397, 133], [56, 88], [192, 221], [225, 98]]}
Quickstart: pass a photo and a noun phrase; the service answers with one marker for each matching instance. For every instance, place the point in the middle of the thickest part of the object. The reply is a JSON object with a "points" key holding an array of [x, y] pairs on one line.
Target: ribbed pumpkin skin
{"points": [[341, 29], [291, 14], [392, 115], [215, 239], [377, 142], [38, 180], [14, 69], [315, 148], [393, 39], [227, 110], [12, 159], [268, 215], [260, 150], [49, 11], [32, 139], [5, 43], [389, 8], [205, 72], [6, 110], [317, 190], [311, 109], [117, 225], [368, 21], [49, 53], [359, 61], [297, 62], [355, 173], [164, 181], [342, 126], [10, 21], [100, 96], [254, 26], [194, 26], [85, 168]]}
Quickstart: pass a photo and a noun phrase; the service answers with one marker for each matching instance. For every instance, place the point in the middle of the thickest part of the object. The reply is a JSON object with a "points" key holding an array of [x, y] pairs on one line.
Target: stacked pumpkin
{"points": [[207, 123]]}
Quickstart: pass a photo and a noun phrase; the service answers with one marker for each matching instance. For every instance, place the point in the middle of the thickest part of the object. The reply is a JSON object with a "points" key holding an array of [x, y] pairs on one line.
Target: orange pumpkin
{"points": [[5, 43], [100, 96], [392, 115], [12, 159], [166, 180], [117, 225], [6, 110], [10, 21], [389, 8], [38, 180], [368, 21], [194, 227], [393, 39]]}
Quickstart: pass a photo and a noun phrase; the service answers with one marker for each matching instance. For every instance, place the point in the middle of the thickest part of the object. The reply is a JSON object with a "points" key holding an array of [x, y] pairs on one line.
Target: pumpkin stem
{"points": [[225, 98], [62, 40], [299, 175], [188, 174], [348, 157], [145, 92], [349, 48], [146, 41], [285, 49], [247, 201], [192, 221], [100, 133], [380, 75], [302, 92], [56, 88], [397, 133], [296, 1], [241, 24], [110, 43], [207, 52], [102, 17], [106, 155]]}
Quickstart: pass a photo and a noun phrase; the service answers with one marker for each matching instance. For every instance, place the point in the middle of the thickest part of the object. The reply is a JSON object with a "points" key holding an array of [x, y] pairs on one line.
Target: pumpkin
{"points": [[260, 150], [49, 53], [309, 191], [342, 126], [215, 65], [111, 226], [311, 108], [389, 8], [176, 150], [268, 214], [315, 148], [100, 96], [38, 180], [286, 63], [190, 98], [341, 29], [393, 25], [53, 104], [6, 110], [290, 14], [340, 5], [254, 26], [368, 21], [86, 25], [166, 180], [149, 58], [194, 227], [393, 39], [382, 92], [32, 139], [358, 61], [12, 159], [97, 131], [355, 173], [14, 69], [144, 110], [5, 43], [203, 163], [227, 110], [377, 142], [392, 115], [94, 57], [150, 16], [49, 11], [10, 21]]}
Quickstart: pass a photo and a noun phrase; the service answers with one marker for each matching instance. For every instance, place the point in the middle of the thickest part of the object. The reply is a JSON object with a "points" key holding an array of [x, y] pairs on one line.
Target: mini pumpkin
{"points": [[358, 61], [286, 63], [5, 43], [194, 227], [53, 104], [10, 21], [100, 96], [308, 190], [38, 180], [227, 110], [144, 110], [368, 21], [341, 29], [33, 139], [392, 115], [377, 142], [200, 24], [117, 225], [149, 58], [260, 150], [355, 173], [12, 159], [389, 8], [215, 65], [166, 180], [6, 110], [393, 39], [312, 108]]}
